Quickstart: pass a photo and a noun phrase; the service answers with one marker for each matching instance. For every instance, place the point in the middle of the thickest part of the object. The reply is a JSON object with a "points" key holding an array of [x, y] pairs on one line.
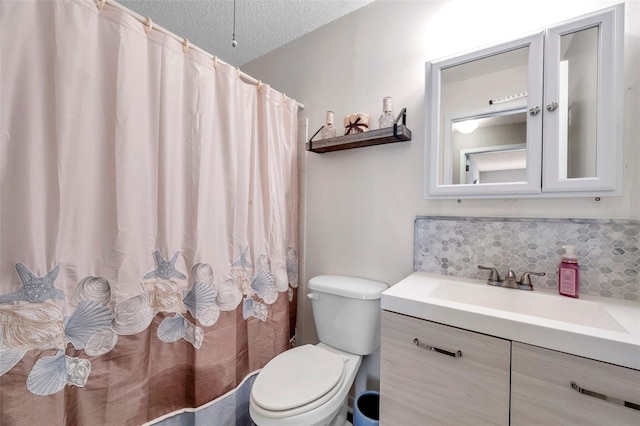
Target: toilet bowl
{"points": [[309, 385]]}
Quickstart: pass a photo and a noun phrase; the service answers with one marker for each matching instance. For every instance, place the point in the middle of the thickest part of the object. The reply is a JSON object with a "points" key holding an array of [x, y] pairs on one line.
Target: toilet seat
{"points": [[297, 381]]}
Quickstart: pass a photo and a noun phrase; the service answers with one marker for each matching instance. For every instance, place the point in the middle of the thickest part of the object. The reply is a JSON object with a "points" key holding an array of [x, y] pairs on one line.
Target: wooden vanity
{"points": [[445, 363]]}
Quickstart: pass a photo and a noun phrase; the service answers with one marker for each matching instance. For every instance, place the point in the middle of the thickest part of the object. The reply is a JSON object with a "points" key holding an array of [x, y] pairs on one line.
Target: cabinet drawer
{"points": [[419, 386], [541, 391]]}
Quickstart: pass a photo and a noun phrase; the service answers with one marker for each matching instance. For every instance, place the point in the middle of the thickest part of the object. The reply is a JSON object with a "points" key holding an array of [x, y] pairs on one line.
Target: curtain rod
{"points": [[150, 25]]}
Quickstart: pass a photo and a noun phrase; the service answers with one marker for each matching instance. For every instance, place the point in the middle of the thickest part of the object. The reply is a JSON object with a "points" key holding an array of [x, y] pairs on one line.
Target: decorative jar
{"points": [[386, 119]]}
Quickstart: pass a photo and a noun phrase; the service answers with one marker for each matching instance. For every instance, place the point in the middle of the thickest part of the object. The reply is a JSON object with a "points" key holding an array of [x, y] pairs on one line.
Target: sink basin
{"points": [[599, 328], [533, 303]]}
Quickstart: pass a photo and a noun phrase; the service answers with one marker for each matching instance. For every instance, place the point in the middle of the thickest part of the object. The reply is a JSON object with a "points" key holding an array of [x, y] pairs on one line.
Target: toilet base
{"points": [[341, 418], [338, 419]]}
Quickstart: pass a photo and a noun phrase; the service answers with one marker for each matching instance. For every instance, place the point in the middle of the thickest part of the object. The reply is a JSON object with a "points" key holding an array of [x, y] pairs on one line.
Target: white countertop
{"points": [[599, 328]]}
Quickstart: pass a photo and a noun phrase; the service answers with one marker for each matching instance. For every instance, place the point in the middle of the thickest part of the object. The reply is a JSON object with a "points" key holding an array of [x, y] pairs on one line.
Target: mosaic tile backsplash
{"points": [[608, 250]]}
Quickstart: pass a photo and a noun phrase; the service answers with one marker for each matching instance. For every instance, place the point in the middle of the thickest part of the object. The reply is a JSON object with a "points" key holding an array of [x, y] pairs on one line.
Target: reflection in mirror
{"points": [[495, 132], [482, 105], [577, 103], [491, 165]]}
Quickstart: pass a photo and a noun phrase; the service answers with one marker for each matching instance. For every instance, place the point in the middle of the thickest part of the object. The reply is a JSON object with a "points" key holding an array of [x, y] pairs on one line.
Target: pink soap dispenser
{"points": [[569, 273]]}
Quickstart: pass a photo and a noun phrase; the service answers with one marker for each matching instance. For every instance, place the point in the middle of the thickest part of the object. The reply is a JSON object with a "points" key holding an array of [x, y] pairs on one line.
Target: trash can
{"points": [[367, 409]]}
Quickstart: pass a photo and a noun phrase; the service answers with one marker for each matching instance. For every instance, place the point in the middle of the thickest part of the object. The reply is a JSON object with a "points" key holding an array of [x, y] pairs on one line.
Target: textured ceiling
{"points": [[261, 25]]}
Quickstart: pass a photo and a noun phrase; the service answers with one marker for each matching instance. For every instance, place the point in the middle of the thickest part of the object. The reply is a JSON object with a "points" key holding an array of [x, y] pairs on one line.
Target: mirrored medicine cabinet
{"points": [[538, 116]]}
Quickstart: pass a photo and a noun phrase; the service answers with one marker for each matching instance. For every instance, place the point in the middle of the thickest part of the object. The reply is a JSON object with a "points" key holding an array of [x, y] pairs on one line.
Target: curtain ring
{"points": [[259, 85], [148, 25], [100, 4], [215, 62], [284, 98], [238, 71], [185, 45]]}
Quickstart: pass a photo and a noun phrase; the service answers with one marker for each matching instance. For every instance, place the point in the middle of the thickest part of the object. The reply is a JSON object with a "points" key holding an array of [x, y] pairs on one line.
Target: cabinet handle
{"points": [[604, 397], [456, 354]]}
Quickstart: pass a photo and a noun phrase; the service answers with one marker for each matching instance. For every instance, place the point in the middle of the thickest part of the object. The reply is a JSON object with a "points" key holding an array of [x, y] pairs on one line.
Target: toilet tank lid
{"points": [[353, 287]]}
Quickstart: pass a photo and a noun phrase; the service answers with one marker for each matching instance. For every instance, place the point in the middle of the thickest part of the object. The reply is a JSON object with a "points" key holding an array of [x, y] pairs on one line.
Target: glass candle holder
{"points": [[329, 129], [386, 119]]}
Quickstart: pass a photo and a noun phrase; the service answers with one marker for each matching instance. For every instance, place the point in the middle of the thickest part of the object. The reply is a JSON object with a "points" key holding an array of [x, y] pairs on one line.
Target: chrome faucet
{"points": [[510, 280]]}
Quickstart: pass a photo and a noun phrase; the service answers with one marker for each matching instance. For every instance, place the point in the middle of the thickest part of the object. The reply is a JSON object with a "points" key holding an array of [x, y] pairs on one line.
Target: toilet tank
{"points": [[346, 311]]}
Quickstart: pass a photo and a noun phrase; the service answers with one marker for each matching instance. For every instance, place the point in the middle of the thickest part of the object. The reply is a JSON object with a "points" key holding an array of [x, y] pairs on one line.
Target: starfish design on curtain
{"points": [[166, 268], [34, 289], [243, 262]]}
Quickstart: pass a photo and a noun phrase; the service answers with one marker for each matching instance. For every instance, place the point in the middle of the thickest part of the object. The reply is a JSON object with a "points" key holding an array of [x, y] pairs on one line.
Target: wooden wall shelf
{"points": [[396, 133]]}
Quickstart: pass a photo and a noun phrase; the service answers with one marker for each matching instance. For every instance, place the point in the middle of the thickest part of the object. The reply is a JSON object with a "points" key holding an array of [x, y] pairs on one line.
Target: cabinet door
{"points": [[542, 392], [495, 93], [583, 96], [421, 386]]}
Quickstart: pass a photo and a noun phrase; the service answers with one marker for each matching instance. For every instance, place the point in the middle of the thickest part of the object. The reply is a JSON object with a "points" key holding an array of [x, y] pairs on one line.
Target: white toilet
{"points": [[308, 385]]}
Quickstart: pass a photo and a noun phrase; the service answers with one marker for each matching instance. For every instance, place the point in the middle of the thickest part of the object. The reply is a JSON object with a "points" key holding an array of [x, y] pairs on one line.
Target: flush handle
{"points": [[453, 354], [313, 296]]}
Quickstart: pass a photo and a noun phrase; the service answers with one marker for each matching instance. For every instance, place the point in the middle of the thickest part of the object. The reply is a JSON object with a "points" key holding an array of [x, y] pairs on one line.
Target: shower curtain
{"points": [[148, 204]]}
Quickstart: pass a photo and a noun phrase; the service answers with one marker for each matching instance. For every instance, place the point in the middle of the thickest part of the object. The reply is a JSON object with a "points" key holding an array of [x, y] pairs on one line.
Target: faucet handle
{"points": [[525, 280], [494, 276]]}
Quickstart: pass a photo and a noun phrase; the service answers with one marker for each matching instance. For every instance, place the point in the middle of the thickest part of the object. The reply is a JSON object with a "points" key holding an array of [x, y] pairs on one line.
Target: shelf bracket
{"points": [[310, 148], [403, 115]]}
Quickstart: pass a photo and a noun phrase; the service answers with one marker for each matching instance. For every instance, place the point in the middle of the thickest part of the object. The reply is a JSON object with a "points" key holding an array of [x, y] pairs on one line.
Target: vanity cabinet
{"points": [[494, 381], [426, 382], [542, 392]]}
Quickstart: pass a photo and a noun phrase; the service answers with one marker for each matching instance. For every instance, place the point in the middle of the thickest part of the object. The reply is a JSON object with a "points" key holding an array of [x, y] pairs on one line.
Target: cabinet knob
{"points": [[552, 106], [534, 110]]}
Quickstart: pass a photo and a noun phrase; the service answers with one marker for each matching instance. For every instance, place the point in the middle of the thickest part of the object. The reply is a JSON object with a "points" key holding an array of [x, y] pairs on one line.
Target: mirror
{"points": [[483, 136], [481, 106], [584, 104], [577, 103], [489, 112]]}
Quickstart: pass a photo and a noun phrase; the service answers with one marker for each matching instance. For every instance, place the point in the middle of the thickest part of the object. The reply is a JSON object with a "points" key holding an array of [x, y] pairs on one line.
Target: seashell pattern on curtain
{"points": [[148, 247]]}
